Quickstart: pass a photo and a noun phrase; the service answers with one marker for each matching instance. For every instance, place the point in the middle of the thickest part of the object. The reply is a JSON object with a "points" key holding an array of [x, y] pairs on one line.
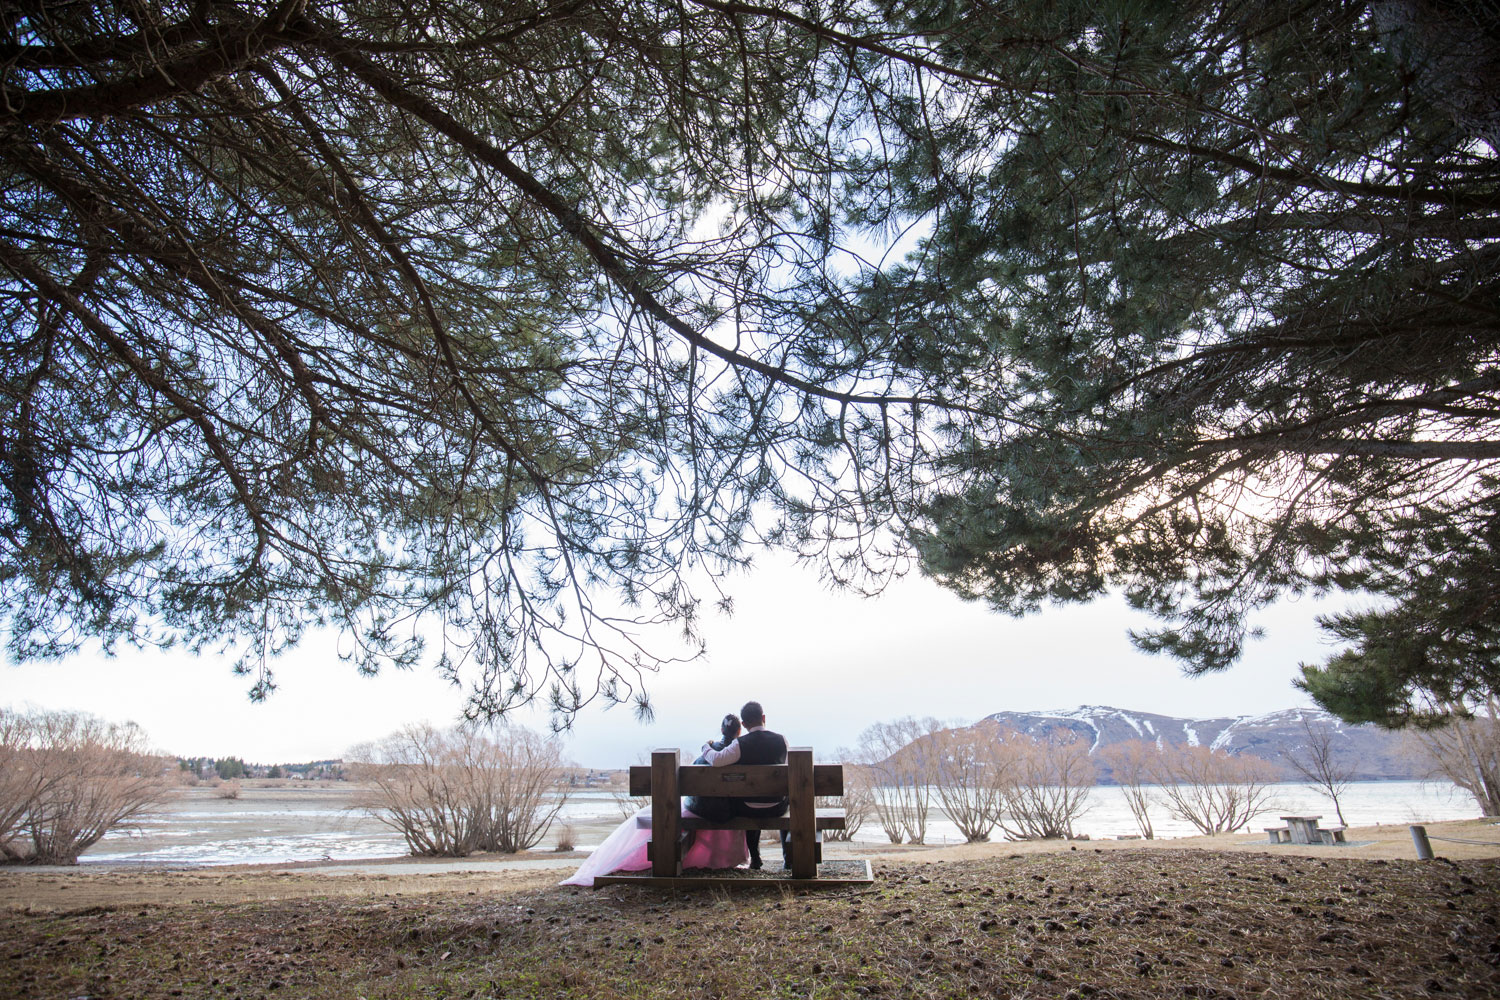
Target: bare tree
{"points": [[67, 779], [1132, 764], [18, 780], [972, 775], [629, 804], [858, 800], [451, 792], [1049, 787], [519, 798], [1212, 789], [1321, 765], [1466, 750], [415, 787], [901, 776]]}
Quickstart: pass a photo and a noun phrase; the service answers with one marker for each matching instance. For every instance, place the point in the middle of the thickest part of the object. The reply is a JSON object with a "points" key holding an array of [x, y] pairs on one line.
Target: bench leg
{"points": [[666, 816], [801, 813]]}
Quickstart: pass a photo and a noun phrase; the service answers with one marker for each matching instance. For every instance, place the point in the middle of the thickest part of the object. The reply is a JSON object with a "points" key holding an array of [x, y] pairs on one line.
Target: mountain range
{"points": [[1371, 753]]}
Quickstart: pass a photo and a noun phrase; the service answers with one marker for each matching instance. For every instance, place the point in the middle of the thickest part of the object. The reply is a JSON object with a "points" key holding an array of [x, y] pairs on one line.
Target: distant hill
{"points": [[1375, 753]]}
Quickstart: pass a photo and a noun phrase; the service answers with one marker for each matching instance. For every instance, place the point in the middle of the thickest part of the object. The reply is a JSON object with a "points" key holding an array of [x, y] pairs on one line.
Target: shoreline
{"points": [[63, 889], [272, 822]]}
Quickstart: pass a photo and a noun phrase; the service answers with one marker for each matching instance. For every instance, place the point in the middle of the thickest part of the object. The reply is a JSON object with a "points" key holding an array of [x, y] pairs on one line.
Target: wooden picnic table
{"points": [[1305, 830]]}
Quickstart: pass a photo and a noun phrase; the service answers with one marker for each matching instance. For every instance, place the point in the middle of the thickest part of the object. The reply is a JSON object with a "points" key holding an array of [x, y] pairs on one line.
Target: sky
{"points": [[824, 665]]}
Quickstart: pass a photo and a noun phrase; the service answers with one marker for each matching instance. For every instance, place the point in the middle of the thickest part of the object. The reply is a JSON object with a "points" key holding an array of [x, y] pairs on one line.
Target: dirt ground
{"points": [[1391, 842], [87, 886], [1098, 923]]}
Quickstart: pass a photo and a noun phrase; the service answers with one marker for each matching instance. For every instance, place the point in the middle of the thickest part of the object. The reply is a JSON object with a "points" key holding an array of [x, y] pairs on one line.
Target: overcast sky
{"points": [[824, 665]]}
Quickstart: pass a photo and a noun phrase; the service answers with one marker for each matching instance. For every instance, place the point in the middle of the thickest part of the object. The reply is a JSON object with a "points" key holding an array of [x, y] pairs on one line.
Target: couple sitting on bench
{"points": [[626, 848], [758, 745]]}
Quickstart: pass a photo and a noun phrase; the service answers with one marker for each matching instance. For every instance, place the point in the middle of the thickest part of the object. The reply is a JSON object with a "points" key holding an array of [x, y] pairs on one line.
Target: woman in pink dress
{"points": [[625, 848]]}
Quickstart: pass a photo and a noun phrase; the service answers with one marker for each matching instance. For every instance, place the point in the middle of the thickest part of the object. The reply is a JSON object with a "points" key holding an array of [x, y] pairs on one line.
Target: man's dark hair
{"points": [[752, 714]]}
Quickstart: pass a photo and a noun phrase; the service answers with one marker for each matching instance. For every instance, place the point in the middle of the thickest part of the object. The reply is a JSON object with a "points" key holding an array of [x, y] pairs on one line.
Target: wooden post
{"points": [[1424, 846], [666, 815], [801, 812]]}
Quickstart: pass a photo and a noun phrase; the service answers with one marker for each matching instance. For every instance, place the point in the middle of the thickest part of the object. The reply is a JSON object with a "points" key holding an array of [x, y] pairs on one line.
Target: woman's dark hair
{"points": [[730, 727]]}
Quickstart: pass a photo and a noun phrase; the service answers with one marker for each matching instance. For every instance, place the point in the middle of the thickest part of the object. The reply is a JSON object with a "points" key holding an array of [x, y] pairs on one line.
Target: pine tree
{"points": [[395, 318], [1232, 276], [481, 321]]}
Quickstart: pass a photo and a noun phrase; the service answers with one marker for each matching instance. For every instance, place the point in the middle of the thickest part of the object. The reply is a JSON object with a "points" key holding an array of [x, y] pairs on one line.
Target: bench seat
{"points": [[824, 819]]}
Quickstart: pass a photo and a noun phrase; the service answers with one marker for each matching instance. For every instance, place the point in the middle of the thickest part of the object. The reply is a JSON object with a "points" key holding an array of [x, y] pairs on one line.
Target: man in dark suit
{"points": [[757, 745]]}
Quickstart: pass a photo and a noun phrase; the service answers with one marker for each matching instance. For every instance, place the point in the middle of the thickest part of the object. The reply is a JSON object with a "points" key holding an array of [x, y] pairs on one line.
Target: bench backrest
{"points": [[750, 781]]}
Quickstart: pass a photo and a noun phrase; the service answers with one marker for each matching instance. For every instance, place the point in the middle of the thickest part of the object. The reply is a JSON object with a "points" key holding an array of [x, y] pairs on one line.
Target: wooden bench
{"points": [[799, 780], [1279, 834], [1331, 834]]}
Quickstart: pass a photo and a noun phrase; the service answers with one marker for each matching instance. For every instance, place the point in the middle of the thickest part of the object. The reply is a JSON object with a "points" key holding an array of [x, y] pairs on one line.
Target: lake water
{"points": [[263, 825], [1366, 803], [269, 825]]}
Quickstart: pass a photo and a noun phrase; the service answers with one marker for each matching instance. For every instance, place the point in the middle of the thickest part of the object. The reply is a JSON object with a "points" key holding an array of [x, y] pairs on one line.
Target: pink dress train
{"points": [[625, 850]]}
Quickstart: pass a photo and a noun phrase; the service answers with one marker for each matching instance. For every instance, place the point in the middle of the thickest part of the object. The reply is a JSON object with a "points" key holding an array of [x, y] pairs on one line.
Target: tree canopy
{"points": [[1432, 651], [504, 321], [1242, 269]]}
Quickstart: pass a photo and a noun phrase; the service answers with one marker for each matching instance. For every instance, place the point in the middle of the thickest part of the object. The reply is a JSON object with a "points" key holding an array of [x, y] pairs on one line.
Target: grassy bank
{"points": [[1124, 923]]}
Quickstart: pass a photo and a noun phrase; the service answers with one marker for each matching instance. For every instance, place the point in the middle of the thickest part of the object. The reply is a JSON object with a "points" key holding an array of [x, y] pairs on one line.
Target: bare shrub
{"points": [[1049, 783], [21, 781], [521, 794], [629, 804], [67, 779], [455, 791], [229, 790], [1466, 750], [973, 773], [858, 800], [901, 776], [1132, 764], [1321, 765], [1214, 790], [567, 838]]}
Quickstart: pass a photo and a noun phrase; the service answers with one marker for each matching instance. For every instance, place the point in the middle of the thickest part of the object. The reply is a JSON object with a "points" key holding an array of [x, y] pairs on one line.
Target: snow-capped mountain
{"points": [[1374, 752]]}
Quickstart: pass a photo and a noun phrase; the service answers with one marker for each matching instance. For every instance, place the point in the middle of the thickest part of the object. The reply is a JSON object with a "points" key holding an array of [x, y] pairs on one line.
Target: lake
{"points": [[314, 821]]}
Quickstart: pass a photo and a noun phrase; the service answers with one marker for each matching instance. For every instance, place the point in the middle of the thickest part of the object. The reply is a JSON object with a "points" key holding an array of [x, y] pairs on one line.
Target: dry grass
{"points": [[1079, 924]]}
